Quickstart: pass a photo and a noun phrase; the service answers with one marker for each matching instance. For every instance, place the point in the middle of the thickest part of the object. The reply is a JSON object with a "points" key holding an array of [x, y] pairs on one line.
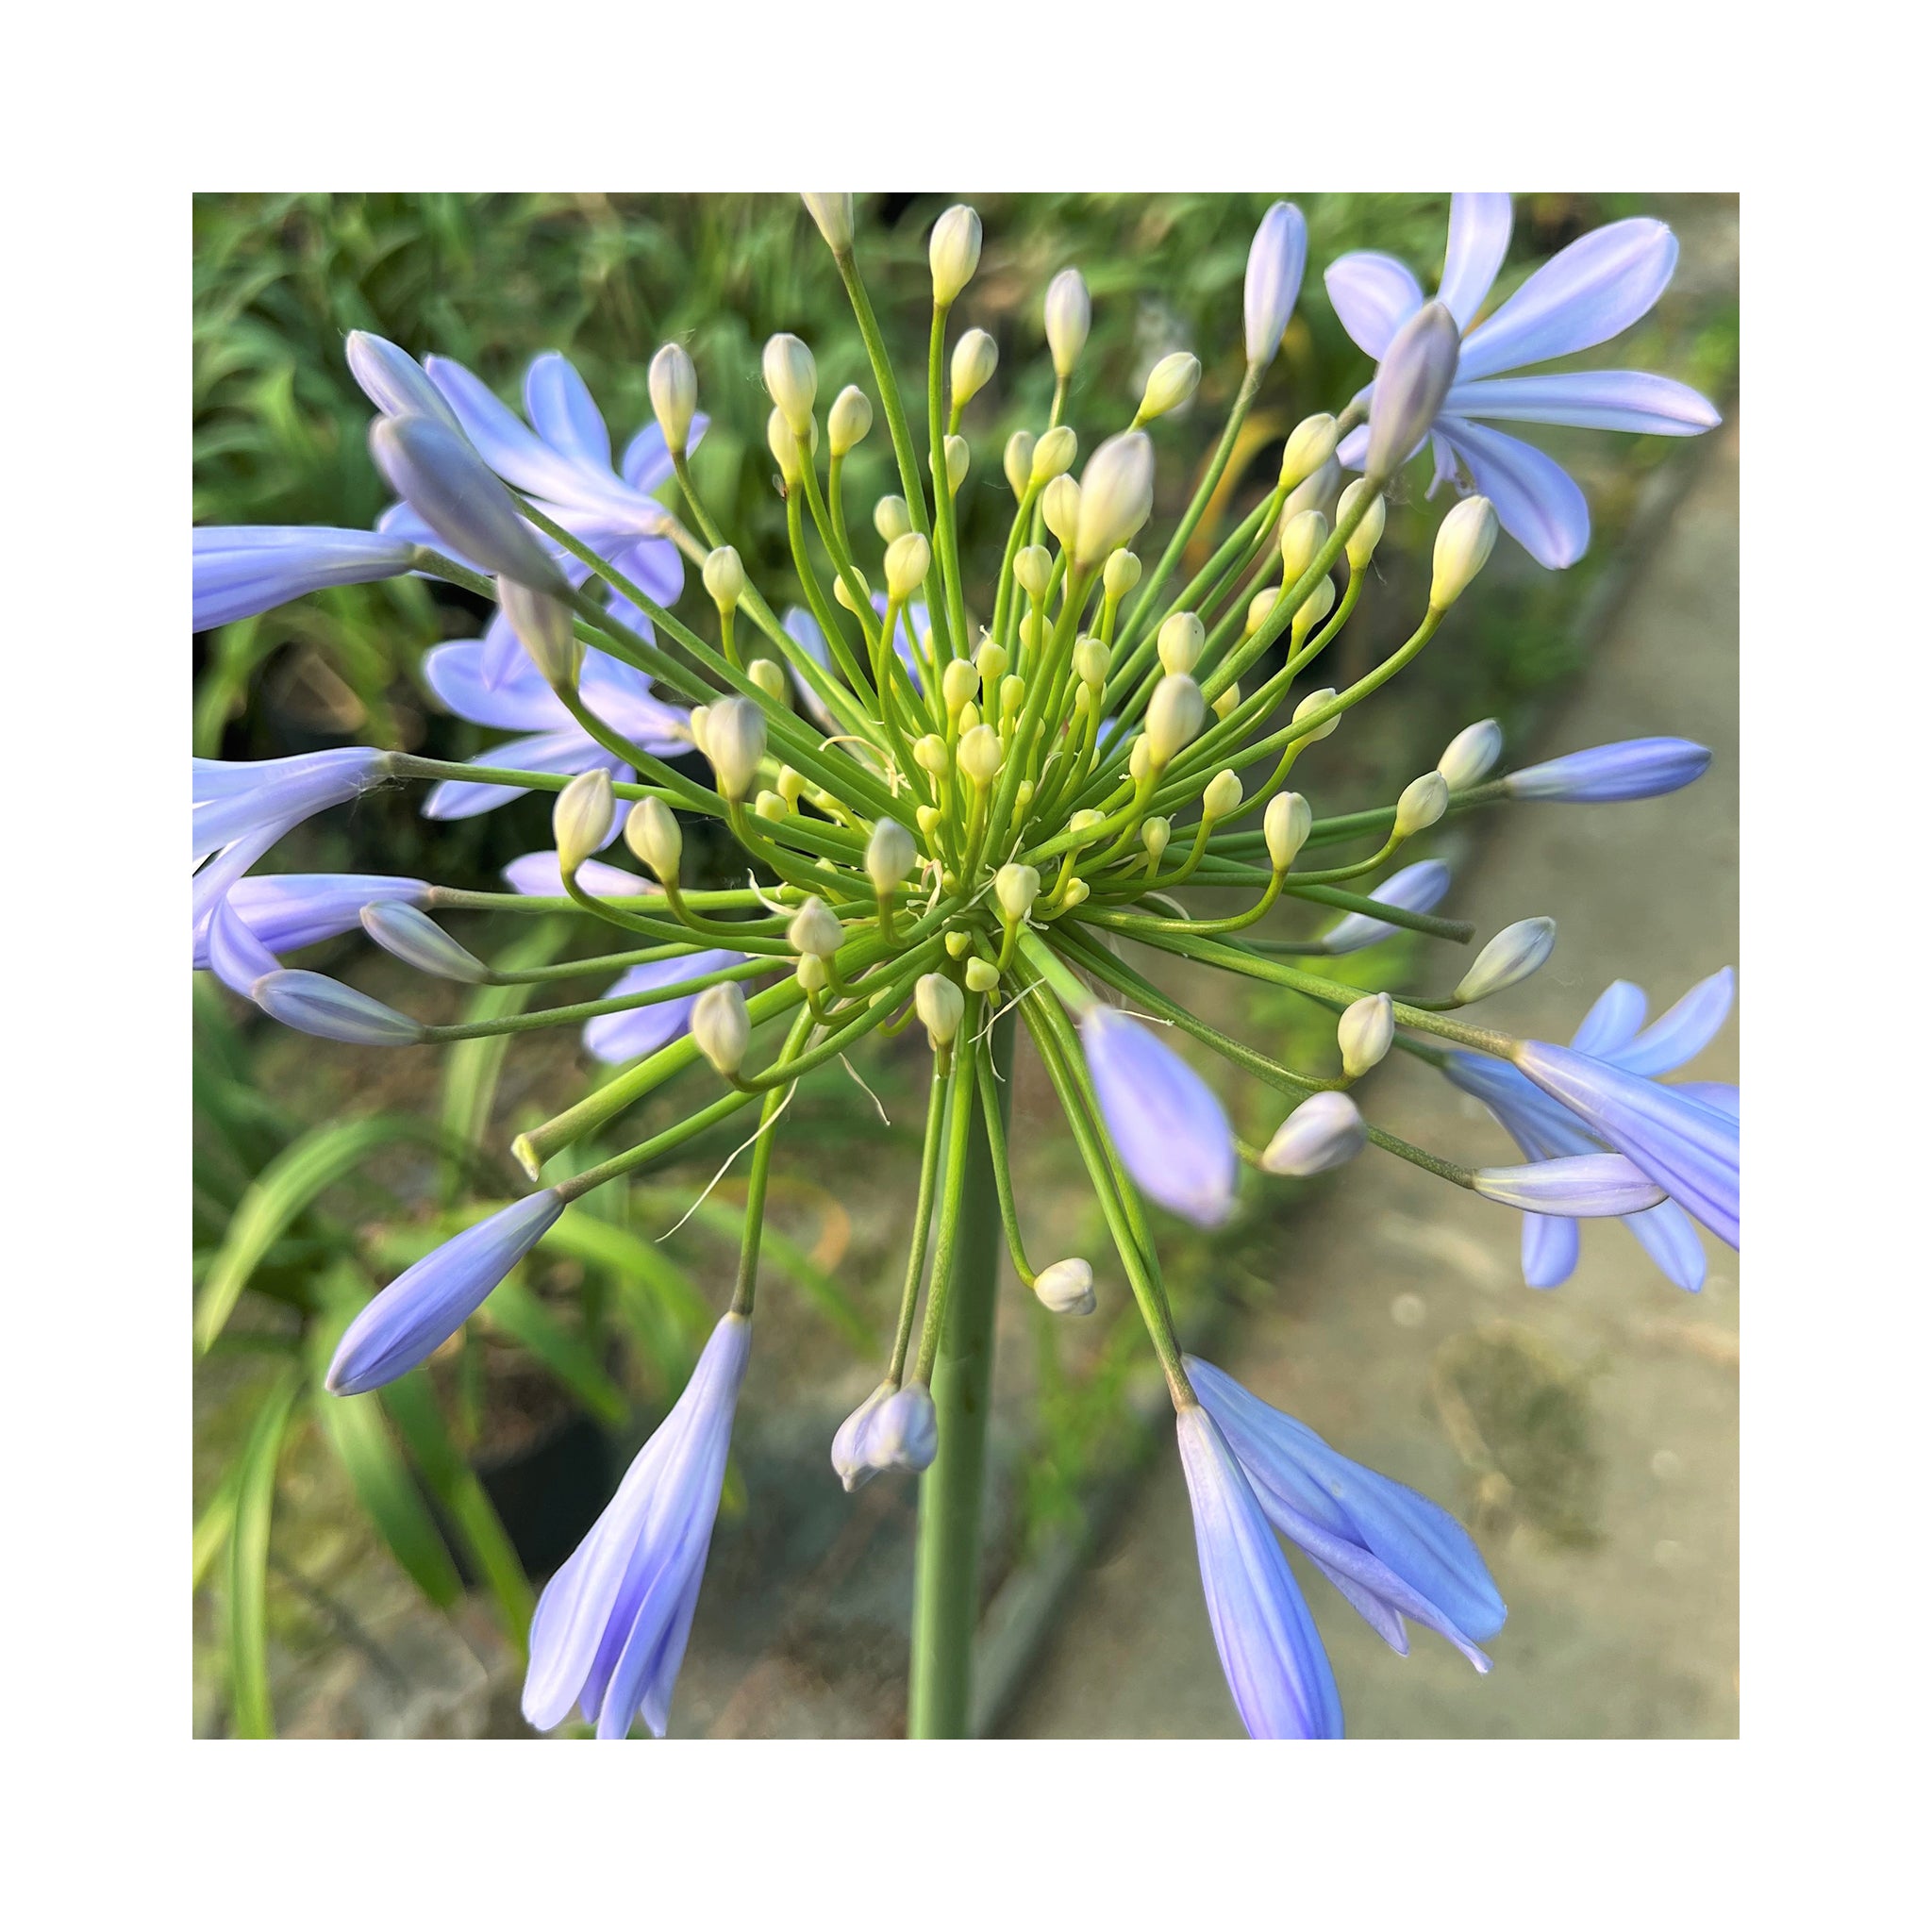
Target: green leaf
{"points": [[255, 1494], [283, 1189], [411, 1407], [211, 1527], [381, 1479]]}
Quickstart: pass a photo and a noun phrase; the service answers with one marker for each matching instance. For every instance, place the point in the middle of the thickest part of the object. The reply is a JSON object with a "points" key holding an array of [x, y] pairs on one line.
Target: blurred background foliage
{"points": [[318, 1173]]}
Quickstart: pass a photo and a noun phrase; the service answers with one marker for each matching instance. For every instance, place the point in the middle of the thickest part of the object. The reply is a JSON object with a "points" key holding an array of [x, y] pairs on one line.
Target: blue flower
{"points": [[427, 1304], [610, 1627], [308, 1002], [1269, 1652], [287, 911], [615, 1038], [1631, 768], [538, 875], [1386, 1548], [1276, 258], [241, 570], [1613, 1034], [242, 809], [1165, 1123], [1595, 289], [516, 698], [892, 1428], [1417, 887]]}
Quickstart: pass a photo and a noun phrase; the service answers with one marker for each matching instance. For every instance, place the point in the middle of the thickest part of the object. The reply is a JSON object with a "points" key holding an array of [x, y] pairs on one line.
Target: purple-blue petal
{"points": [[1681, 1033], [1537, 500], [1612, 1021], [559, 405], [615, 1038], [241, 570], [1550, 1247], [1588, 399], [1631, 768], [1414, 889], [1478, 241], [1374, 295]]}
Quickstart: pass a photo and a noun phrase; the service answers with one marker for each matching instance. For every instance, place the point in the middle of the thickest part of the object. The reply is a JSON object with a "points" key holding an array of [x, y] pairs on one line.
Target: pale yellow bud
{"points": [[1066, 1288], [1068, 315], [1155, 833], [1054, 454], [1012, 695], [725, 577], [891, 518], [969, 717], [1311, 445], [771, 805], [769, 676], [1314, 607], [975, 356], [813, 973], [1367, 533], [1222, 795], [1470, 754], [954, 252], [1122, 573], [1179, 643], [959, 943], [981, 753], [1422, 802], [791, 785], [1033, 570], [1116, 496], [1060, 504], [992, 663], [927, 819], [1090, 663], [907, 559], [1286, 825], [721, 1027], [1302, 538], [652, 832], [958, 453], [1032, 633], [1139, 761], [1176, 713], [930, 755], [1261, 607], [785, 451], [1365, 1032], [1319, 492], [815, 929], [958, 681], [1074, 892], [1086, 821], [1462, 547], [673, 395], [833, 213], [735, 742], [890, 855], [1016, 887], [842, 595], [982, 975], [580, 819], [849, 421], [1228, 699], [1019, 460], [1170, 382], [699, 722], [941, 1005], [792, 380], [1310, 705]]}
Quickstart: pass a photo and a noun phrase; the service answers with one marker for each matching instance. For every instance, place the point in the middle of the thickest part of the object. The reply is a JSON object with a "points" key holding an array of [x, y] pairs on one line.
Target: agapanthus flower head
{"points": [[1595, 289], [610, 1627]]}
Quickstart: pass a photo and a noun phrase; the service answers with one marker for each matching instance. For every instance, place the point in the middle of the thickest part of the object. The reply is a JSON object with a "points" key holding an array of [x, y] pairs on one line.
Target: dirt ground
{"points": [[1590, 1433]]}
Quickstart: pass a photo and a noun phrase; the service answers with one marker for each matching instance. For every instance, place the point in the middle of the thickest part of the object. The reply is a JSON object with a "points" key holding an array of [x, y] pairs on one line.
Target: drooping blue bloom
{"points": [[1417, 887], [1323, 1132], [615, 1038], [1631, 768], [1389, 1551], [1270, 1653], [1169, 1130], [241, 570], [287, 911], [1585, 1186], [240, 809], [315, 1003], [1612, 1031], [519, 700], [892, 1428], [1595, 289], [427, 1302], [1277, 258], [610, 1627], [410, 934]]}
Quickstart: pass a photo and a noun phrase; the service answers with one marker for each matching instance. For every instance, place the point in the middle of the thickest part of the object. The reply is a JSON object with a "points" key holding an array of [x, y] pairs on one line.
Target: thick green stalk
{"points": [[945, 1605]]}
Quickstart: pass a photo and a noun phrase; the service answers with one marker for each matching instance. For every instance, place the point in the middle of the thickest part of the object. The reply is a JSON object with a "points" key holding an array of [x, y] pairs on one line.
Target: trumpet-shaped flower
{"points": [[241, 570], [519, 700], [1269, 1652], [429, 1301], [1595, 289], [1389, 1551], [1613, 1032], [1168, 1127], [610, 1627]]}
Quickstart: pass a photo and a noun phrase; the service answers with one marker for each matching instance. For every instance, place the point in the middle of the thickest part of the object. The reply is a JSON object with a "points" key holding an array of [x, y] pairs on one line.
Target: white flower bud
{"points": [[1463, 543], [1422, 802], [1323, 1132], [981, 753], [815, 929], [848, 423], [842, 595], [1321, 491], [1016, 887], [907, 559], [1053, 455], [1365, 1032], [1122, 573], [735, 744], [958, 453], [982, 975], [1169, 383], [941, 1005], [1469, 755], [1312, 444], [1261, 607], [673, 395], [792, 379], [698, 721], [721, 1027], [1229, 699], [957, 683], [769, 676], [930, 755], [1155, 833], [1367, 533], [1090, 663], [975, 356], [1414, 376], [1286, 825], [891, 518], [890, 856], [812, 973], [771, 805], [833, 213], [1139, 762], [725, 577], [1511, 958], [784, 447], [1060, 506], [1314, 607], [1033, 570], [1068, 315], [652, 832], [1310, 705], [1019, 460], [1066, 1288], [1302, 538], [1074, 892], [1013, 694], [991, 663], [1116, 496], [580, 819], [1176, 713], [969, 718], [1179, 642], [1221, 796], [954, 252], [543, 627]]}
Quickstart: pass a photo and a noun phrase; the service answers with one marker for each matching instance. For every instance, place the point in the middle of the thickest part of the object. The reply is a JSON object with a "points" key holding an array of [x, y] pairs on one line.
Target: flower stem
{"points": [[945, 1603]]}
